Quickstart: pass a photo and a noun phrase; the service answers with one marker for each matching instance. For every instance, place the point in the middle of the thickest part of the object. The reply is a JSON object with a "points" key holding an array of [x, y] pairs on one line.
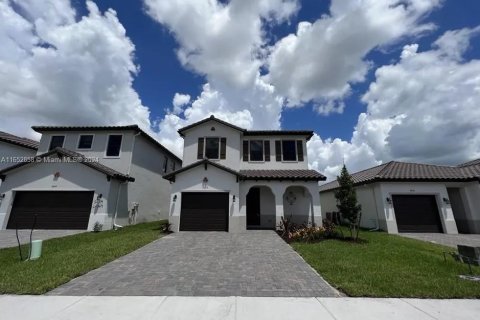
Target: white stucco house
{"points": [[81, 175], [234, 179], [13, 148], [411, 197]]}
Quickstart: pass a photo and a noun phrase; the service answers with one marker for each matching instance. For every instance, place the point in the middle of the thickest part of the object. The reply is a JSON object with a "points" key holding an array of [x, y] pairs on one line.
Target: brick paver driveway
{"points": [[255, 263]]}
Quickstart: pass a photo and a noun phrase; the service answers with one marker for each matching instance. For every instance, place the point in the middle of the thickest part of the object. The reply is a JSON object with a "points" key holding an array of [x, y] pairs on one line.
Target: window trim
{"points": [[56, 135], [85, 134], [296, 154], [250, 149], [205, 147], [106, 146]]}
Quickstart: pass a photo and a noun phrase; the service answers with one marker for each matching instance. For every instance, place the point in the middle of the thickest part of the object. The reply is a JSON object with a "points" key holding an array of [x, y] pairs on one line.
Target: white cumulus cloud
{"points": [[57, 69]]}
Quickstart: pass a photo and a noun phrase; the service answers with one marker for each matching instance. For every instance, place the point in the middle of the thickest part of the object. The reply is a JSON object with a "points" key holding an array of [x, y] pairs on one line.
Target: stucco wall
{"points": [[149, 190], [218, 180], [204, 130], [471, 193], [273, 164], [73, 177], [8, 150], [98, 149], [373, 197]]}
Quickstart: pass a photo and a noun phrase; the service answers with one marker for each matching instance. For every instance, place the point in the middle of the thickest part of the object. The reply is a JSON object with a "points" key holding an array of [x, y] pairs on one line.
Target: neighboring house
{"points": [[410, 197], [235, 179], [13, 148], [84, 175]]}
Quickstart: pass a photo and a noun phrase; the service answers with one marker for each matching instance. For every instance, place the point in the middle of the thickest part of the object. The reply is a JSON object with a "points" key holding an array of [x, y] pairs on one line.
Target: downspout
{"points": [[115, 226]]}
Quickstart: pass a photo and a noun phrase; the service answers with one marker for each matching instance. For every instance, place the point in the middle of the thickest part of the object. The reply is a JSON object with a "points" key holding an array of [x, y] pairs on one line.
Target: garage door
{"points": [[417, 213], [55, 210], [204, 211]]}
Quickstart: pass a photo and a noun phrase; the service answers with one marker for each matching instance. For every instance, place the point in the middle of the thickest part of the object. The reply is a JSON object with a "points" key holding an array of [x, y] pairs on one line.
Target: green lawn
{"points": [[389, 266], [66, 258]]}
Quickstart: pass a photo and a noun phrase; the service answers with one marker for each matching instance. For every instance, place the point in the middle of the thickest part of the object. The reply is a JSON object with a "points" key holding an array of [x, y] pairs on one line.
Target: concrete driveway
{"points": [[255, 263], [450, 240], [9, 239]]}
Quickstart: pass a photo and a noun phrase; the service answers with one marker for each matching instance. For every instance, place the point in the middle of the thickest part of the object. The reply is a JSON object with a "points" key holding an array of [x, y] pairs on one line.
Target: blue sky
{"points": [[376, 80], [162, 75]]}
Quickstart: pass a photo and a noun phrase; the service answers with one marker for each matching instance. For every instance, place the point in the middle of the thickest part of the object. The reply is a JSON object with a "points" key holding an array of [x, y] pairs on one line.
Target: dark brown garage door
{"points": [[417, 213], [55, 210], [204, 211]]}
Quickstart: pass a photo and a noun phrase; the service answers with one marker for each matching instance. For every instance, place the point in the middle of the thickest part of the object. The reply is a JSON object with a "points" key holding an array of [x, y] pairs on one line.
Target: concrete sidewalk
{"points": [[141, 307]]}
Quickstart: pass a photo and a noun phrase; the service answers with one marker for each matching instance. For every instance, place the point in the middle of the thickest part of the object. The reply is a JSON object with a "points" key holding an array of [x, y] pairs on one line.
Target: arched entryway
{"points": [[260, 203], [297, 205]]}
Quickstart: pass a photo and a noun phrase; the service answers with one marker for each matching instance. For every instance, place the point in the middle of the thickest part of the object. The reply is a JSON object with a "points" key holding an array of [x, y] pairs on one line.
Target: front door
{"points": [[253, 207]]}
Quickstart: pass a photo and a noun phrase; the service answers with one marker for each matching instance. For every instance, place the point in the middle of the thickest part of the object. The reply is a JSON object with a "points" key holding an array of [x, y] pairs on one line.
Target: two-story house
{"points": [[81, 176], [13, 148], [234, 179]]}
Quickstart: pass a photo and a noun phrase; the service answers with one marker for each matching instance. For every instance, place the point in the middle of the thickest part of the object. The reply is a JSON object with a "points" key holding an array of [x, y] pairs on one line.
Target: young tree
{"points": [[347, 202]]}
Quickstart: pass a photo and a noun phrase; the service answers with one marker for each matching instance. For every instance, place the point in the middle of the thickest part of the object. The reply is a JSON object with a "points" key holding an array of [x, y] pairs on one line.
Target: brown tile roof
{"points": [[19, 141], [245, 132], [406, 171], [211, 118], [80, 158], [310, 175], [171, 176], [470, 163], [133, 127], [308, 133]]}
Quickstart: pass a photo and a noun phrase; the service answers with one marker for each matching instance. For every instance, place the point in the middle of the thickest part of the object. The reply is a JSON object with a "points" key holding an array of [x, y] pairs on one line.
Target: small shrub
{"points": [[286, 228], [308, 234], [166, 227], [97, 227], [330, 228]]}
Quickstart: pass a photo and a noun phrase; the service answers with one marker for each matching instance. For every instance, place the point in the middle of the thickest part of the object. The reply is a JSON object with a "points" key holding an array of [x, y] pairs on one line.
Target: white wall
{"points": [[73, 177], [373, 197], [273, 164], [99, 146], [204, 130], [471, 192], [8, 150], [218, 181], [150, 190]]}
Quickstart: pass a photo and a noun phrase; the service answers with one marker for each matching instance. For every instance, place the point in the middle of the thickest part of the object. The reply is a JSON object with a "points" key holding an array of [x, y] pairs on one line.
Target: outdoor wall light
{"points": [[233, 200], [205, 183], [174, 198], [447, 201], [99, 196], [389, 201], [2, 196]]}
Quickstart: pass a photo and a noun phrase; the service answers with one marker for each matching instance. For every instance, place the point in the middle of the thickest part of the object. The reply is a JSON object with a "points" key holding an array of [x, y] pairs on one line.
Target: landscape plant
{"points": [[347, 202]]}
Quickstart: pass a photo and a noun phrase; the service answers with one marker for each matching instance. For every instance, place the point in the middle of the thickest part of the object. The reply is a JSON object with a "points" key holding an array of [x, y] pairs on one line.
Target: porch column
{"points": [[278, 192]]}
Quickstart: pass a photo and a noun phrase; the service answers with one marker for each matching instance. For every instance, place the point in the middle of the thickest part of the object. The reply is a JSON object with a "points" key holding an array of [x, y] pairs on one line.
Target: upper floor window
{"points": [[289, 150], [212, 148], [256, 150], [85, 141], [113, 145], [56, 141]]}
